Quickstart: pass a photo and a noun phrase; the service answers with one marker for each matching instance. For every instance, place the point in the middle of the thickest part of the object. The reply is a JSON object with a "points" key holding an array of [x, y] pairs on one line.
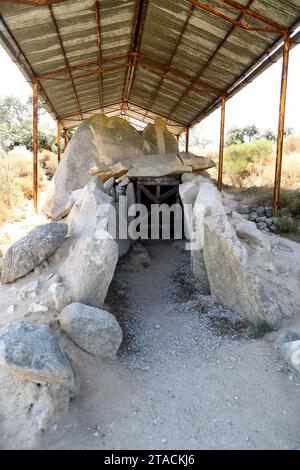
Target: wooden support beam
{"points": [[35, 144], [282, 108], [58, 140], [187, 138], [222, 141]]}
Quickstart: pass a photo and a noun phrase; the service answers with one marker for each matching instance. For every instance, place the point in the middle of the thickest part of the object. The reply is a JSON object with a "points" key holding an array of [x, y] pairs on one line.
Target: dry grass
{"points": [[48, 161], [16, 183]]}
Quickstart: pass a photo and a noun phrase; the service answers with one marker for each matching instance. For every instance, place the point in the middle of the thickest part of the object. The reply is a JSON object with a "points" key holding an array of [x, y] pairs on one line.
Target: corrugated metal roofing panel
{"points": [[184, 42]]}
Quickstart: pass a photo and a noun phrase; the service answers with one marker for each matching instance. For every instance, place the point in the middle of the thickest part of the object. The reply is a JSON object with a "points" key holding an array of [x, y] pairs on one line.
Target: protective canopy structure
{"points": [[177, 59], [147, 58]]}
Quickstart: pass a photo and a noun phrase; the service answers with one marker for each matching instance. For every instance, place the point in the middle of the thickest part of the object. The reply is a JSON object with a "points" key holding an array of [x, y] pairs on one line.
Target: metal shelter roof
{"points": [[144, 58]]}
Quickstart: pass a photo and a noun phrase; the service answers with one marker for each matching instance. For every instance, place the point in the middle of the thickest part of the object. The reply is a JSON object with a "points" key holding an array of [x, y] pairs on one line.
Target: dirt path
{"points": [[189, 374]]}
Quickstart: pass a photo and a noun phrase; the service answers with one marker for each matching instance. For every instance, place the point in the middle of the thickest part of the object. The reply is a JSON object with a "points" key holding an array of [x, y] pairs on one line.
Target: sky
{"points": [[257, 104]]}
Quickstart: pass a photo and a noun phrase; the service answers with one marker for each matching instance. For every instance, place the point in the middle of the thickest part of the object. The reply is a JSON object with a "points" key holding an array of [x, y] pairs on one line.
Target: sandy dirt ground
{"points": [[189, 374]]}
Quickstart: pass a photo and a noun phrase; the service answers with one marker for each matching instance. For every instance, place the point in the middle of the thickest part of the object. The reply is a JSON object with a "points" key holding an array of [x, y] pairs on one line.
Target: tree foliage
{"points": [[250, 133], [242, 135], [16, 126]]}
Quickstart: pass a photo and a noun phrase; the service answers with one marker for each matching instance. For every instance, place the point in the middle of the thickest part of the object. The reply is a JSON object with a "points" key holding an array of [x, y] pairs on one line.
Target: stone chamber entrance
{"points": [[160, 190]]}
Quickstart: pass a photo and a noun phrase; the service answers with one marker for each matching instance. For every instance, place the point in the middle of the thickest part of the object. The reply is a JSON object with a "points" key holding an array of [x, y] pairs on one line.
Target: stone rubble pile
{"points": [[262, 216]]}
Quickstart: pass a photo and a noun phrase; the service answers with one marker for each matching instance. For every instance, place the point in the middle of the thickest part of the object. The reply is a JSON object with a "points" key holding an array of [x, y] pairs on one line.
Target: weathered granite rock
{"points": [[248, 231], [92, 329], [29, 289], [161, 169], [130, 194], [92, 206], [89, 267], [26, 408], [287, 336], [291, 354], [32, 352], [108, 185], [159, 138], [197, 256], [27, 253], [231, 280], [196, 162], [188, 193], [99, 140], [208, 201], [50, 405]]}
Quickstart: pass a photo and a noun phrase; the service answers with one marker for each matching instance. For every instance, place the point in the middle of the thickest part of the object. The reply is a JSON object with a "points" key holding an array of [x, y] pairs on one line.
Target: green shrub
{"points": [[240, 159], [286, 224], [291, 201], [260, 328], [239, 156]]}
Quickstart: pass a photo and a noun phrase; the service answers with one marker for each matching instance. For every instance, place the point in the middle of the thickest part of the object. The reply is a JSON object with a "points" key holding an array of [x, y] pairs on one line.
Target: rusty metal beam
{"points": [[136, 37], [270, 28], [222, 142], [44, 3], [65, 58], [97, 71], [82, 65], [246, 11], [90, 110], [176, 123], [179, 39], [140, 59], [35, 144], [58, 140], [203, 68], [180, 73], [99, 52], [280, 136], [165, 76], [138, 48]]}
